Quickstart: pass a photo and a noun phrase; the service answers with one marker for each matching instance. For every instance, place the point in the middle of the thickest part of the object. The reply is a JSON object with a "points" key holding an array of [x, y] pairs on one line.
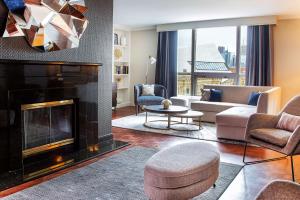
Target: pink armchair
{"points": [[280, 190], [261, 130]]}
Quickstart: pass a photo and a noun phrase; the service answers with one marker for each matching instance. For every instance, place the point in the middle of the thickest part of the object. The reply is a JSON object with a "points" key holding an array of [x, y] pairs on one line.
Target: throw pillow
{"points": [[205, 94], [148, 90], [288, 122], [253, 98], [215, 95]]}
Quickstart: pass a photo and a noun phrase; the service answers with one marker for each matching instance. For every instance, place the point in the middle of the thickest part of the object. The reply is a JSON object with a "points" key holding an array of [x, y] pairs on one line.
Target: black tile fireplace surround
{"points": [[31, 83]]}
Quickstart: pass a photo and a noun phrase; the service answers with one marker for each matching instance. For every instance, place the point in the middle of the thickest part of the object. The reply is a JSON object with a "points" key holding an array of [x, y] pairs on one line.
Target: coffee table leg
{"points": [[146, 119], [169, 121], [199, 123]]}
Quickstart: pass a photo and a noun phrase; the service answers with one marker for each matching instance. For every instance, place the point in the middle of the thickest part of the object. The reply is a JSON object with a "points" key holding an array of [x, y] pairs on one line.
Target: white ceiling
{"points": [[137, 14]]}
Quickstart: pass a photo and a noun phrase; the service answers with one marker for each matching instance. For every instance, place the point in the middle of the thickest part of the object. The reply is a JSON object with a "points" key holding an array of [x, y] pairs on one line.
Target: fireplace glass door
{"points": [[47, 126]]}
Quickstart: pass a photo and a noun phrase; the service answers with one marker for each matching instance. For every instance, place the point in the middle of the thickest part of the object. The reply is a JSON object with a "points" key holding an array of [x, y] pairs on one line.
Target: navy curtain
{"points": [[259, 58], [166, 66]]}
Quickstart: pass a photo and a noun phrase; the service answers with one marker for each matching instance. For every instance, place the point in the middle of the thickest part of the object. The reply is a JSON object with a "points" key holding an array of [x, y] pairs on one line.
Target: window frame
{"points": [[196, 75]]}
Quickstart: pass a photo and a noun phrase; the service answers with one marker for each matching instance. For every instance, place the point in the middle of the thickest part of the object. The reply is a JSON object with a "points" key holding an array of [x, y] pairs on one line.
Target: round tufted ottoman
{"points": [[182, 171]]}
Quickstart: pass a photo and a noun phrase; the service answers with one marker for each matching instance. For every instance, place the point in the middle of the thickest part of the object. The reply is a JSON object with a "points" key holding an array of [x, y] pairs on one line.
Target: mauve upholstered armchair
{"points": [[280, 190], [160, 92], [261, 130]]}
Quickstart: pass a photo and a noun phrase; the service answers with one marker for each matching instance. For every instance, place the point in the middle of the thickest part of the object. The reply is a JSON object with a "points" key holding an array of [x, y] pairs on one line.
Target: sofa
{"points": [[232, 113]]}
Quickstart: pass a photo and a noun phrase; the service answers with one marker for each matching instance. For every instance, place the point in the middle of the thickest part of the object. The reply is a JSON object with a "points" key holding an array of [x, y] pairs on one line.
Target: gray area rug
{"points": [[208, 131], [119, 177]]}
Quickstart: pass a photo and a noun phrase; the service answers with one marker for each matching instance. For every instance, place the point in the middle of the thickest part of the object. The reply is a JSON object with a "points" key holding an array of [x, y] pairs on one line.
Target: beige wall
{"points": [[287, 57], [143, 45]]}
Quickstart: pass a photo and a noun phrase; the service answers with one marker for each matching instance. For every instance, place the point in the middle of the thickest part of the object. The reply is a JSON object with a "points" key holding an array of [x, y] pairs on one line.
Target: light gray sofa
{"points": [[237, 96], [232, 114]]}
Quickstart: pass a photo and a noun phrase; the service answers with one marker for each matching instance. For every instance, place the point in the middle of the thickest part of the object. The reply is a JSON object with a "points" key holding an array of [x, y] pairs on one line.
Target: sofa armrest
{"points": [[260, 120], [269, 101]]}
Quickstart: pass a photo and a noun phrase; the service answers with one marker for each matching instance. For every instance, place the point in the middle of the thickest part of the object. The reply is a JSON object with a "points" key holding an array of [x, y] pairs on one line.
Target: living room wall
{"points": [[286, 57], [95, 47], [143, 45]]}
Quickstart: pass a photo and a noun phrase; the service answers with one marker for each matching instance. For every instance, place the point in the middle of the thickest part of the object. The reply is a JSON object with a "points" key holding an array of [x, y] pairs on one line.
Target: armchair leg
{"points": [[136, 110], [245, 149], [292, 166], [259, 161]]}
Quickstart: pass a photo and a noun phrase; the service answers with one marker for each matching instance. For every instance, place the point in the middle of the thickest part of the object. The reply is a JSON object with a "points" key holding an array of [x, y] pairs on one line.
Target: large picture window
{"points": [[210, 56]]}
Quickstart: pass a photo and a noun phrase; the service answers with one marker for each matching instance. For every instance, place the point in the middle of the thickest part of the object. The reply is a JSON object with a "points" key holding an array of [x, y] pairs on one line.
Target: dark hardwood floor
{"points": [[245, 186]]}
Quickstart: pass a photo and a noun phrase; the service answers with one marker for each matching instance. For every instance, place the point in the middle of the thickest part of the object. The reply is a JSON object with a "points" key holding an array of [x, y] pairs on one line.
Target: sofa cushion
{"points": [[288, 122], [217, 107], [149, 100], [205, 94], [148, 90], [271, 135], [236, 116], [215, 95], [253, 98]]}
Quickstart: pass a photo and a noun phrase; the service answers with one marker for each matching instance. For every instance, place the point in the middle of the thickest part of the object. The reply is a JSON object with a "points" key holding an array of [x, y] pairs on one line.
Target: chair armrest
{"points": [[161, 90], [260, 120], [293, 143], [280, 189], [137, 92]]}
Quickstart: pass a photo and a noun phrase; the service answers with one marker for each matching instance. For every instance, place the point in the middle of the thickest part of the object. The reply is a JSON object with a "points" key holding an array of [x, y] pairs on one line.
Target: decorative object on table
{"points": [[116, 39], [118, 53], [151, 61], [48, 25], [166, 104], [123, 40], [160, 93], [262, 130]]}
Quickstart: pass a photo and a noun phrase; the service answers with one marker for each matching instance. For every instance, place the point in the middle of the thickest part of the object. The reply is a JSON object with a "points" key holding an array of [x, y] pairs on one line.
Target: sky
{"points": [[221, 36]]}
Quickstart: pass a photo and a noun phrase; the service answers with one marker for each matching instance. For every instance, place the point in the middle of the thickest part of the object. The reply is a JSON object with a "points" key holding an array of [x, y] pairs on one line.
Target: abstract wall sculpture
{"points": [[48, 25]]}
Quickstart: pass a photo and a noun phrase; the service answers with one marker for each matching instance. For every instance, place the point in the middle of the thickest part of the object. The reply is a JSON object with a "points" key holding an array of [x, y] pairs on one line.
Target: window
{"points": [[219, 55], [243, 52]]}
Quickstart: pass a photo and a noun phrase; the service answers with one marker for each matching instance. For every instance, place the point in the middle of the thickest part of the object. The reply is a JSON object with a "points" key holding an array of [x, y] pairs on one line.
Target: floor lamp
{"points": [[151, 61]]}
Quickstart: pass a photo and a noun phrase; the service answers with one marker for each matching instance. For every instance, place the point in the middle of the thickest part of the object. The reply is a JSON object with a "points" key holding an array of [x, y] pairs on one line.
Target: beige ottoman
{"points": [[232, 123], [182, 171]]}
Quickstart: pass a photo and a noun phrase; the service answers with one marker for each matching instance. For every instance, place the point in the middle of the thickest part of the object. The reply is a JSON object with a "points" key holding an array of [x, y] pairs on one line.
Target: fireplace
{"points": [[47, 126], [46, 109]]}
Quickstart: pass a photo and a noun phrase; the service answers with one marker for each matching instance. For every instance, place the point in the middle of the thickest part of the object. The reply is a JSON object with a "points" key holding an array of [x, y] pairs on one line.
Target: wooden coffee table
{"points": [[173, 110]]}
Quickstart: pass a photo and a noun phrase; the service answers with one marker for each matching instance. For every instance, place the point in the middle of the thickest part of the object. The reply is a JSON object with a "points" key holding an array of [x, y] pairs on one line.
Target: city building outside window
{"points": [[219, 58]]}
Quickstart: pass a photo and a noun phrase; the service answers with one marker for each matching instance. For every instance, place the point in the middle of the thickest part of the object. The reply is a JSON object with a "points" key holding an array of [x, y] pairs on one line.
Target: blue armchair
{"points": [[160, 92]]}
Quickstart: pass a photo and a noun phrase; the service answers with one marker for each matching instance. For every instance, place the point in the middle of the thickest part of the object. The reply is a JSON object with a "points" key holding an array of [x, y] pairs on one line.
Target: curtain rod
{"points": [[248, 21]]}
